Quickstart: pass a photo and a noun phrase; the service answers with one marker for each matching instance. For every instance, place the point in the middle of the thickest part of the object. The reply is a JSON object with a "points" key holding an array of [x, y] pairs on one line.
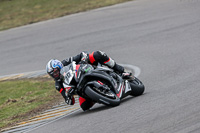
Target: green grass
{"points": [[15, 13], [19, 98]]}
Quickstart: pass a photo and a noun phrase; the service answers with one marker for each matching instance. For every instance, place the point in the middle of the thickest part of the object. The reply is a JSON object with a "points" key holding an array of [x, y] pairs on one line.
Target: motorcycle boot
{"points": [[127, 75], [120, 70]]}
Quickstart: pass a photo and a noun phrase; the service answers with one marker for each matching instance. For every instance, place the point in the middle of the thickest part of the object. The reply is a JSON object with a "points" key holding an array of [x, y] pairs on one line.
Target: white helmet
{"points": [[53, 68]]}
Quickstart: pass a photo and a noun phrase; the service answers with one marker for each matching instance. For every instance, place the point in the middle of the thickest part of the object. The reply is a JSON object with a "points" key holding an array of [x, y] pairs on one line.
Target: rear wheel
{"points": [[109, 98], [137, 87]]}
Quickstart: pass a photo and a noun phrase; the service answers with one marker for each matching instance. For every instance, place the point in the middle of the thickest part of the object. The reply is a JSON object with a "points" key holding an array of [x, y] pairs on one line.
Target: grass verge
{"points": [[21, 99], [15, 13]]}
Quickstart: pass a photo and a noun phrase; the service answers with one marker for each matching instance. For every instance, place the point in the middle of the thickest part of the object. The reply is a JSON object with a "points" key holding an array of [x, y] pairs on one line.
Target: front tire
{"points": [[137, 87], [97, 97]]}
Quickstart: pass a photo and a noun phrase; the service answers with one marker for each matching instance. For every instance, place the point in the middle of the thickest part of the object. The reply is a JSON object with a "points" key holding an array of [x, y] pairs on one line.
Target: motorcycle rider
{"points": [[54, 66]]}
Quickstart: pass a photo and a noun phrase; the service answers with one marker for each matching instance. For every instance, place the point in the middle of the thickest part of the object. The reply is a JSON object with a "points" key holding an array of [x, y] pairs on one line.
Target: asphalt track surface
{"points": [[161, 37]]}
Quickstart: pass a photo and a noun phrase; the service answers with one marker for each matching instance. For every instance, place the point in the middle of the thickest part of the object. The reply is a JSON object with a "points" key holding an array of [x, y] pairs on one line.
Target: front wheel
{"points": [[137, 87], [100, 98]]}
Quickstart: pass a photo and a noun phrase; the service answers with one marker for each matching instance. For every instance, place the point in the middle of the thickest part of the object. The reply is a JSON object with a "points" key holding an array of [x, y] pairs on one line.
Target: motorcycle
{"points": [[99, 84]]}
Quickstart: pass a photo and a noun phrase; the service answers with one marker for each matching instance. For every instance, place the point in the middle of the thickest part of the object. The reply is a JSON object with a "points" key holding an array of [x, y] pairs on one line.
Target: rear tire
{"points": [[137, 87], [97, 97]]}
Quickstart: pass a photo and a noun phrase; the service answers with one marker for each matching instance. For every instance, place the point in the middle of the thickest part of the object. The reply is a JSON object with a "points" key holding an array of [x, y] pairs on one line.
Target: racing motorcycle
{"points": [[100, 84]]}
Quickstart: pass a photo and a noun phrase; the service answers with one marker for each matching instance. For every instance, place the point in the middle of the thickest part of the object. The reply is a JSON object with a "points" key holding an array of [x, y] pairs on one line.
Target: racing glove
{"points": [[70, 100], [118, 69]]}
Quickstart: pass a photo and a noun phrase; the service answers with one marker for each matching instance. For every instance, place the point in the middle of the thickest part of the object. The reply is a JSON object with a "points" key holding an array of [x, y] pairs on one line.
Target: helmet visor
{"points": [[55, 73]]}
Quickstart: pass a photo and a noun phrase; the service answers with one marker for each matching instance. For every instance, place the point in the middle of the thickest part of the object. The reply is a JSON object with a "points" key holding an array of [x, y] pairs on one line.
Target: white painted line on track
{"points": [[53, 120], [25, 73]]}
